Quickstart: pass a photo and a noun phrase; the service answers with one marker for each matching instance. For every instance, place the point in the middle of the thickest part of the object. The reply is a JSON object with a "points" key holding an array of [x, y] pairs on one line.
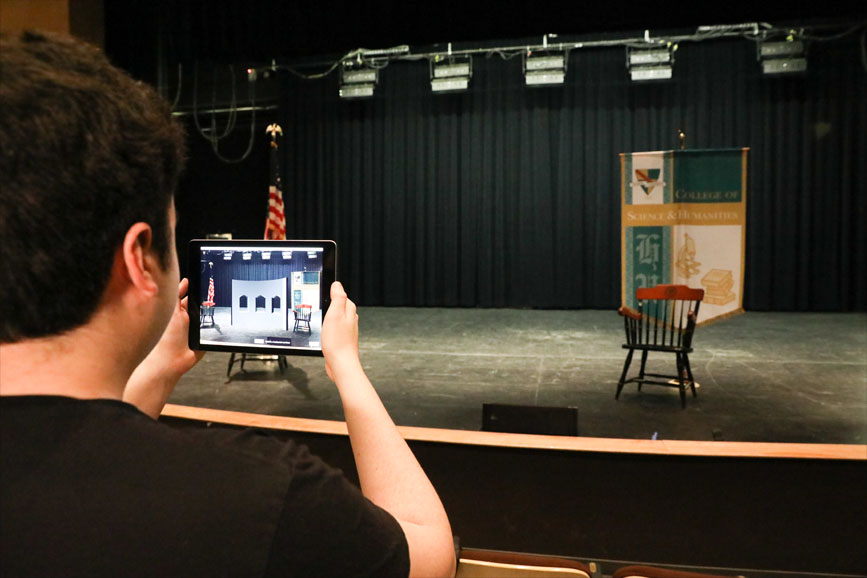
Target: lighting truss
{"points": [[647, 58], [544, 68], [650, 63], [357, 80], [451, 74], [782, 56]]}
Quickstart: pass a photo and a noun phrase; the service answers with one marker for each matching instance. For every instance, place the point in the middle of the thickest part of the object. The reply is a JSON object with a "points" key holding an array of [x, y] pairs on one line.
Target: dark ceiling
{"points": [[259, 30]]}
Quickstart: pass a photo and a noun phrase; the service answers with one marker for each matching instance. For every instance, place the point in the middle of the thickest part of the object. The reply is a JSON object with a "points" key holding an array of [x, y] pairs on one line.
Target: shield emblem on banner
{"points": [[647, 179]]}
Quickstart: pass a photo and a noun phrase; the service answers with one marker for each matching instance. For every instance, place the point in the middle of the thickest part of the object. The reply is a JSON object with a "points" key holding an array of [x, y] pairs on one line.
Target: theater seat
{"points": [[654, 572], [494, 564]]}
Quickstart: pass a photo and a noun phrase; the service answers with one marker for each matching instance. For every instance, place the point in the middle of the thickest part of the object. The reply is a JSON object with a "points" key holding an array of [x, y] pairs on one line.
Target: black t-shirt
{"points": [[97, 488]]}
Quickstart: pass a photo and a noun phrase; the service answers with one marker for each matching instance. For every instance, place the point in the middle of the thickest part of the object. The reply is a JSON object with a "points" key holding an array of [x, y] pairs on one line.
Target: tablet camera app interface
{"points": [[257, 297]]}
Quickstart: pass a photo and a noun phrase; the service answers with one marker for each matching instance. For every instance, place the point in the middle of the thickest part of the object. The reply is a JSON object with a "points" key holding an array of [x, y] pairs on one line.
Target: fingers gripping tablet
{"points": [[260, 296]]}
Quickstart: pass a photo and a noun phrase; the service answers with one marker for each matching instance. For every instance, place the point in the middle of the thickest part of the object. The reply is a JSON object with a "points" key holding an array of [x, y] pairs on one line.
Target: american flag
{"points": [[211, 291], [275, 224]]}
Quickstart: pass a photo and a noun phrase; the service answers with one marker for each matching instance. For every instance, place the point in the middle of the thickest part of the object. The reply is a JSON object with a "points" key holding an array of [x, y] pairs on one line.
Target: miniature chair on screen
{"points": [[206, 314], [492, 564], [665, 321], [654, 572], [302, 317]]}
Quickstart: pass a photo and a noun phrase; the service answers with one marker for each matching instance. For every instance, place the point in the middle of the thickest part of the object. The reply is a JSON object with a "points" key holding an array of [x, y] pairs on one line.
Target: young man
{"points": [[93, 330]]}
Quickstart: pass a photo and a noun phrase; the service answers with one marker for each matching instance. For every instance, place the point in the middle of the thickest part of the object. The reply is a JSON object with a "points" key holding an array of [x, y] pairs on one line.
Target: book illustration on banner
{"points": [[718, 285]]}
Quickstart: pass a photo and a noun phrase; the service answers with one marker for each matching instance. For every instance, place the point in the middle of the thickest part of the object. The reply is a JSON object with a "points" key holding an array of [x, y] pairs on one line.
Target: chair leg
{"points": [[689, 374], [231, 363], [641, 372], [680, 382], [623, 375]]}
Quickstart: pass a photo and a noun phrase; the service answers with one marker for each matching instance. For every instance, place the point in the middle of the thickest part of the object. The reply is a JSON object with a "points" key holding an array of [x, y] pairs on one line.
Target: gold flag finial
{"points": [[274, 129]]}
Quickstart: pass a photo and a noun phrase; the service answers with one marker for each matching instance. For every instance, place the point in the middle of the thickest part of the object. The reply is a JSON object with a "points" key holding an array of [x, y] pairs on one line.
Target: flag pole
{"points": [[275, 219]]}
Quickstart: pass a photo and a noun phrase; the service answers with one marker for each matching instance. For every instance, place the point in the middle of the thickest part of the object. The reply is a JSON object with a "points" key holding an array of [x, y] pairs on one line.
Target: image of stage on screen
{"points": [[257, 297]]}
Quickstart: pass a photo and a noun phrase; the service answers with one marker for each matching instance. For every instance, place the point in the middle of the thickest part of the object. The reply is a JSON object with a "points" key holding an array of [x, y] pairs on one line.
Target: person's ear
{"points": [[139, 259]]}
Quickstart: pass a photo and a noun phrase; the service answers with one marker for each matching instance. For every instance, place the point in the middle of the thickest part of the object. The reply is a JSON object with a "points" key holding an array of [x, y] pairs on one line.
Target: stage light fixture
{"points": [[247, 256], [450, 74], [357, 80], [544, 68], [649, 57], [227, 256], [650, 63], [287, 254], [783, 57], [266, 255]]}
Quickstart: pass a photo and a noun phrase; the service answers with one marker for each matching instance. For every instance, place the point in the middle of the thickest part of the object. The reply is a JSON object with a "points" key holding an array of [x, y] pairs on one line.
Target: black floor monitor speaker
{"points": [[530, 419]]}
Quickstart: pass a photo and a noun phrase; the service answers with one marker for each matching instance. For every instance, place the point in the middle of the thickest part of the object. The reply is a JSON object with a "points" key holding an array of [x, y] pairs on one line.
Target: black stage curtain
{"points": [[509, 196]]}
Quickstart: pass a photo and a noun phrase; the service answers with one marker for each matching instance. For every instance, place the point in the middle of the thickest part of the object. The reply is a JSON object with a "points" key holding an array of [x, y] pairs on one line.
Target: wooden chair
{"points": [[665, 321], [638, 571], [493, 564]]}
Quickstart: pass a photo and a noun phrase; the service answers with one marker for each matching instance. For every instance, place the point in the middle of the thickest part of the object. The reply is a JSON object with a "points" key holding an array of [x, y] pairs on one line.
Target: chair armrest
{"points": [[629, 312]]}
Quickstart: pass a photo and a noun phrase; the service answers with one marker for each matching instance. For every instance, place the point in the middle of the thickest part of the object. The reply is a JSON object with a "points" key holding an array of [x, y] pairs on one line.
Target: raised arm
{"points": [[155, 378], [390, 475]]}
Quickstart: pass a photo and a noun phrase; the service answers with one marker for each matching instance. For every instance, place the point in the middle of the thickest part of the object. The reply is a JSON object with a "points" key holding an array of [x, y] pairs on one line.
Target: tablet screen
{"points": [[259, 296]]}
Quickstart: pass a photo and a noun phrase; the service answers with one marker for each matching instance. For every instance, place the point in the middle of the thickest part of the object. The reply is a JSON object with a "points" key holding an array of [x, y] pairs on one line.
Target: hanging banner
{"points": [[683, 221]]}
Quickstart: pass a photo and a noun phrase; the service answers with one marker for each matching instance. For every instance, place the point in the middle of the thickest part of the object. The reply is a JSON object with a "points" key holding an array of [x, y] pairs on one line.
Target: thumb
{"points": [[337, 290], [182, 287]]}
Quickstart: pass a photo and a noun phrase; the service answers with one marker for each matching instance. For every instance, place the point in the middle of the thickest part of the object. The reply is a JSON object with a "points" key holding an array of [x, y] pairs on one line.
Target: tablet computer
{"points": [[259, 296]]}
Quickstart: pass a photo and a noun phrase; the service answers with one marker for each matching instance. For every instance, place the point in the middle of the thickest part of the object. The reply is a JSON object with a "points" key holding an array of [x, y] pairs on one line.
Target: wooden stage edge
{"points": [[543, 442]]}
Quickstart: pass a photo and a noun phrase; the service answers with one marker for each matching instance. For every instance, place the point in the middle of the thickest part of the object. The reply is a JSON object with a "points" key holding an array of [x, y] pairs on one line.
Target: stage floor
{"points": [[776, 377]]}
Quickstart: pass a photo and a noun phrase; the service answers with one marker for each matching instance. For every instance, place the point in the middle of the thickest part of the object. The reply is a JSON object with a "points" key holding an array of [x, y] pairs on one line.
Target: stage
{"points": [[763, 377]]}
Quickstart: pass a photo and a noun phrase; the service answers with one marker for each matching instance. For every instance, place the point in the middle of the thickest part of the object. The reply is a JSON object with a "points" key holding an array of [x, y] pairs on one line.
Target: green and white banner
{"points": [[684, 222]]}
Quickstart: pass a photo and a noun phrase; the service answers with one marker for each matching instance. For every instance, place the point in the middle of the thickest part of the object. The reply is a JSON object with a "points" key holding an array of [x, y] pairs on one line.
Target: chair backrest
{"points": [[666, 316], [493, 564], [304, 312]]}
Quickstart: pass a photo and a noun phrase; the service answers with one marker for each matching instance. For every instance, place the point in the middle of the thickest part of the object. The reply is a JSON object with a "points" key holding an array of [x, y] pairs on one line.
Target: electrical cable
{"points": [[210, 134], [251, 92], [833, 37], [178, 91]]}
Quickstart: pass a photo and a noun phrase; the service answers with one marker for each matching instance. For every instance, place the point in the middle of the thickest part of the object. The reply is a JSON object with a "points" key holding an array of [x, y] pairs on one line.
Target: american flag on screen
{"points": [[211, 290], [275, 224]]}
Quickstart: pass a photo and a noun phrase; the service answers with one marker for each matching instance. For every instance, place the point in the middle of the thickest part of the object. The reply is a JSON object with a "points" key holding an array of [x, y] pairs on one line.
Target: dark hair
{"points": [[85, 152]]}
